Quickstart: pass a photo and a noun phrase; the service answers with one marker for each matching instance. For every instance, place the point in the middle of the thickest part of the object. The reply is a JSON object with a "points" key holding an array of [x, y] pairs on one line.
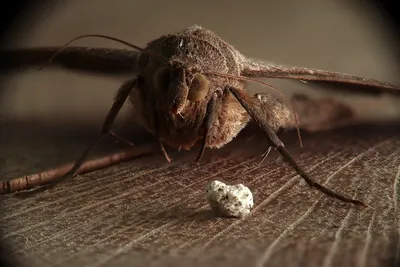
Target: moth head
{"points": [[180, 86]]}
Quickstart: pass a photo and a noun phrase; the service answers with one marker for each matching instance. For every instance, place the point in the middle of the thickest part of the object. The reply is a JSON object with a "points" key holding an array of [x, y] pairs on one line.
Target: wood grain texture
{"points": [[152, 213]]}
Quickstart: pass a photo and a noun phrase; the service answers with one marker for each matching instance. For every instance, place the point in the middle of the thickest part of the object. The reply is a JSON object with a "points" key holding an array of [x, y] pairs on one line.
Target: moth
{"points": [[189, 88]]}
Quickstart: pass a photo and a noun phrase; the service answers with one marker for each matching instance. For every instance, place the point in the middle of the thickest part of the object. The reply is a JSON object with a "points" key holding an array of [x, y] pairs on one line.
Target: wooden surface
{"points": [[150, 213]]}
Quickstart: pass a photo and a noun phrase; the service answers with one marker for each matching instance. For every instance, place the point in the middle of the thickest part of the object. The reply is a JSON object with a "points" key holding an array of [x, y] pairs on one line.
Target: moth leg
{"points": [[119, 100], [257, 115], [157, 136], [121, 139], [276, 112], [265, 154], [210, 115], [167, 157]]}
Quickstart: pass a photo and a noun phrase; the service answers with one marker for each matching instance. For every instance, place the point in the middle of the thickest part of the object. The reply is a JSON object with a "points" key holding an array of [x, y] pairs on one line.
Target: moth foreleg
{"points": [[121, 139], [208, 120], [256, 113], [165, 153], [120, 98]]}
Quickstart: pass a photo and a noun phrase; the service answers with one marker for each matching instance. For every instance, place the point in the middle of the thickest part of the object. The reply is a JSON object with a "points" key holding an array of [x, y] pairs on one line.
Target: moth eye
{"points": [[162, 78], [199, 88]]}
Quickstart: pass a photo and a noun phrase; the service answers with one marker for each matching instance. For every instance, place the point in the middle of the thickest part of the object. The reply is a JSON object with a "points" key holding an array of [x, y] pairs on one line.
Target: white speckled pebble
{"points": [[229, 200]]}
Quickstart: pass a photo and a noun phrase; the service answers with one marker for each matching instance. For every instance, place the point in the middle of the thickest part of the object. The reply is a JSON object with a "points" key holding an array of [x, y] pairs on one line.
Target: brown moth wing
{"points": [[312, 114], [253, 68], [92, 60], [122, 62]]}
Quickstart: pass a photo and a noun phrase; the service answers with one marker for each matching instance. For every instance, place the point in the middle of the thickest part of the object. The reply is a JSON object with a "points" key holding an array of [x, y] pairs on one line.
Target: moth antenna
{"points": [[242, 78], [104, 37]]}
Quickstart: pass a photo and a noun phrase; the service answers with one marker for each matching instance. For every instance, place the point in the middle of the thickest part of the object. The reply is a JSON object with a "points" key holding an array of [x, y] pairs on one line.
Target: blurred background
{"points": [[344, 36]]}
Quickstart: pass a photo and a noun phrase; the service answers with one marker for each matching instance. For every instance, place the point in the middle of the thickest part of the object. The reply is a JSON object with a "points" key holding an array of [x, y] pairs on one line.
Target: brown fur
{"points": [[195, 50]]}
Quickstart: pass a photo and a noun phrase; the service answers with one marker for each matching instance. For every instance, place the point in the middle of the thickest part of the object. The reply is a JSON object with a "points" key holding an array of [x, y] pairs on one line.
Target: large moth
{"points": [[189, 88]]}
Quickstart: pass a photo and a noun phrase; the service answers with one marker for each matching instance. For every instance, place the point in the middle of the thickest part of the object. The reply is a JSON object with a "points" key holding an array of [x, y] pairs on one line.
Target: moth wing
{"points": [[103, 61], [315, 76]]}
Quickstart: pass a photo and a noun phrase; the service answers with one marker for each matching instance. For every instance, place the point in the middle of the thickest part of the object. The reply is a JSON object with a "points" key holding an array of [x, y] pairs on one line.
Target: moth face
{"points": [[178, 86]]}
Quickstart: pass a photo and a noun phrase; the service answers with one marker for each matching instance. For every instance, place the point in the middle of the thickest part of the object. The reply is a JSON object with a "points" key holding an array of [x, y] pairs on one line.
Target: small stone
{"points": [[229, 200]]}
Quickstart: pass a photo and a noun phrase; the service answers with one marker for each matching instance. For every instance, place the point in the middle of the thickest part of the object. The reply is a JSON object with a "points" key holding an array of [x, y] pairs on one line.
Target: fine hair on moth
{"points": [[188, 89]]}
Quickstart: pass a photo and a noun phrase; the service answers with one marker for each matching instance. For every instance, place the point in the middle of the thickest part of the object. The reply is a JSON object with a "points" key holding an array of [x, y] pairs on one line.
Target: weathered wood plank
{"points": [[151, 213]]}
